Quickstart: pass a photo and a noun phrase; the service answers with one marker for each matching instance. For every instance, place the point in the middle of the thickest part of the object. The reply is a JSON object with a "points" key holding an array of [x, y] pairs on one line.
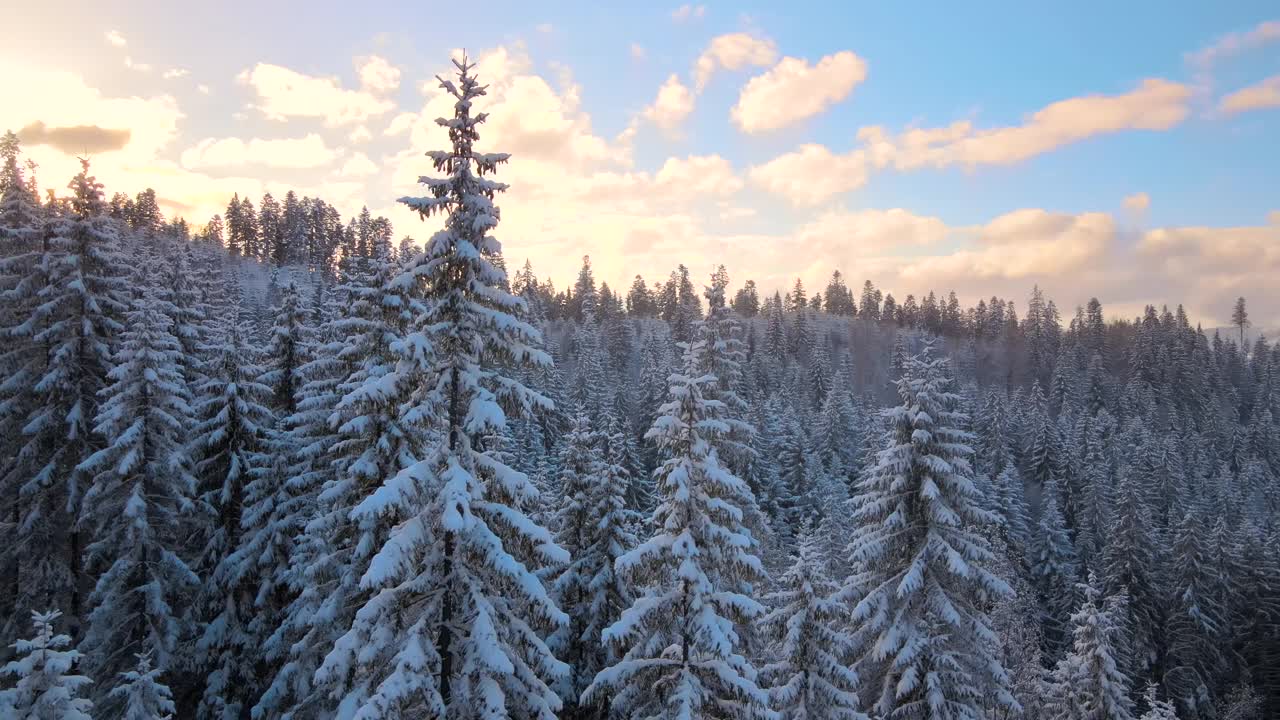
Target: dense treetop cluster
{"points": [[286, 467]]}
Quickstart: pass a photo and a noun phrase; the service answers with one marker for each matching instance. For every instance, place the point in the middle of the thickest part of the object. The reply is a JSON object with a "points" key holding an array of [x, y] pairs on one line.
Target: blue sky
{"points": [[1152, 180]]}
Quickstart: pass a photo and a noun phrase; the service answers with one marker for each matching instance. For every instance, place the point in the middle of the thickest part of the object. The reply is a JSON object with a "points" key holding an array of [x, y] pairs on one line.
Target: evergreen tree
{"points": [[22, 362], [722, 359], [346, 452], [1240, 318], [232, 421], [585, 300], [687, 311], [923, 641], [287, 351], [801, 336], [142, 693], [1130, 567], [640, 302], [78, 317], [1087, 683], [594, 526], [1195, 621], [1053, 566], [681, 654], [746, 302], [272, 247], [453, 624], [811, 680], [1157, 709], [775, 336], [139, 500], [43, 688]]}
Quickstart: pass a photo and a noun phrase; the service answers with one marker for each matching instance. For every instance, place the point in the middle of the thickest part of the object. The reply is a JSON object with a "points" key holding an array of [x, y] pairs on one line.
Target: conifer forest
{"points": [[282, 464]]}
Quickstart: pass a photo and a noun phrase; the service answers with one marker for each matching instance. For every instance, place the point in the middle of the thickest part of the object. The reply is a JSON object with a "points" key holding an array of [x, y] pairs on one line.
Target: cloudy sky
{"points": [[1129, 151]]}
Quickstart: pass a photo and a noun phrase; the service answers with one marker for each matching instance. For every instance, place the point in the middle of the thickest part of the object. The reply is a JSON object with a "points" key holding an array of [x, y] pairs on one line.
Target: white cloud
{"points": [[174, 73], [686, 12], [358, 165], [705, 175], [59, 98], [304, 152], [734, 51], [637, 51], [1235, 43], [841, 235], [1207, 268], [115, 38], [793, 91], [62, 99], [811, 174], [377, 75], [400, 124], [734, 212], [672, 106], [1137, 202], [1261, 96], [528, 116], [360, 135], [545, 28], [1154, 105], [203, 89], [140, 67], [283, 93]]}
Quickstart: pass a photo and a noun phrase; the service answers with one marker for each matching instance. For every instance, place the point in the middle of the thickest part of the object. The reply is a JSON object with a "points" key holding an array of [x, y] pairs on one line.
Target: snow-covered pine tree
{"points": [[1053, 568], [22, 362], [800, 335], [811, 679], [1195, 623], [287, 351], [350, 438], [593, 525], [682, 656], [43, 686], [588, 380], [232, 417], [452, 627], [139, 501], [1016, 620], [790, 455], [76, 320], [776, 333], [1132, 562], [188, 313], [273, 515], [142, 694], [722, 358], [1157, 709], [1087, 684], [922, 638]]}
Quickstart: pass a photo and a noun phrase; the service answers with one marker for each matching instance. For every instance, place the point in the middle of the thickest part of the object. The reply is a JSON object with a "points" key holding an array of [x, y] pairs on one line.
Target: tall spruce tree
{"points": [[453, 627], [922, 640], [811, 679], [1088, 684], [78, 317], [140, 498], [682, 656], [594, 525], [22, 363], [232, 421]]}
